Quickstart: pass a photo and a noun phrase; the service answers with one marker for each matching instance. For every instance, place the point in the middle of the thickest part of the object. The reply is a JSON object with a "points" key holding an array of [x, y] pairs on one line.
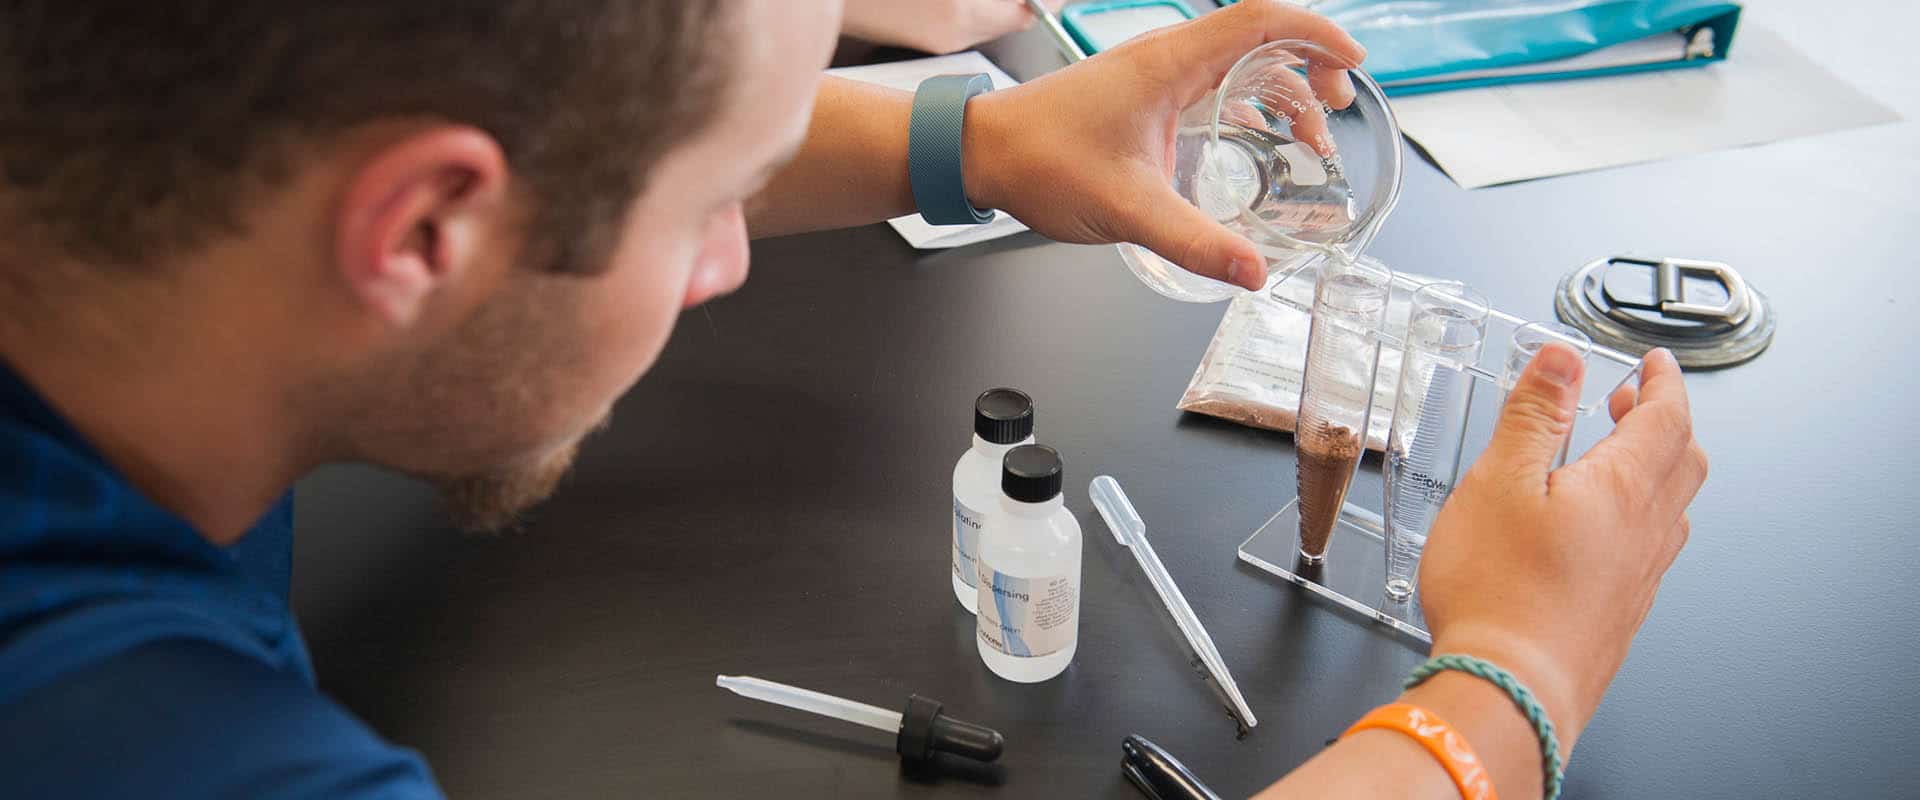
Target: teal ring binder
{"points": [[1072, 17], [1442, 45]]}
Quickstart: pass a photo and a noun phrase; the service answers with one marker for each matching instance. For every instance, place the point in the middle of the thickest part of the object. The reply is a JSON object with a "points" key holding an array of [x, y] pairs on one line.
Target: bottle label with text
{"points": [[1027, 617], [966, 543]]}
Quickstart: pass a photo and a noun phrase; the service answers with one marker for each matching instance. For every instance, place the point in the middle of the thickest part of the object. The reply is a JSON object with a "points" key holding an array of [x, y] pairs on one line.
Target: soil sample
{"points": [[1328, 455]]}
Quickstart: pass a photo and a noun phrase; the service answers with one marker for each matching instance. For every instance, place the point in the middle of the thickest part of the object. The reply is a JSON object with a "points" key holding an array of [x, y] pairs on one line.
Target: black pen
{"points": [[1157, 774]]}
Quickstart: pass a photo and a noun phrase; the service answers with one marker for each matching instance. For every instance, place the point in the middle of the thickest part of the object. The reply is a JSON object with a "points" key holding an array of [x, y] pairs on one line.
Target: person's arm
{"points": [[936, 26], [1081, 155], [1517, 548], [1384, 763], [852, 170]]}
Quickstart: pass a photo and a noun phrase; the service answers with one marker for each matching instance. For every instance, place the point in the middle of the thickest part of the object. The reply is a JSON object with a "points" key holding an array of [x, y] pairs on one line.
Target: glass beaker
{"points": [[1526, 343], [1336, 391], [1293, 150], [1446, 327]]}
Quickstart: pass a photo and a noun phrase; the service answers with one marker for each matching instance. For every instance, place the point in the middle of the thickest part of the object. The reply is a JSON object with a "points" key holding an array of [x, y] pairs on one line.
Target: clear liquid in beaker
{"points": [[1269, 156], [1274, 188]]}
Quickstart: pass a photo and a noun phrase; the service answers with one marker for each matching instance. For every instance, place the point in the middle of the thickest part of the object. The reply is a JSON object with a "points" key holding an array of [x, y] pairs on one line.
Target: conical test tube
{"points": [[1336, 391], [1527, 342], [1446, 328]]}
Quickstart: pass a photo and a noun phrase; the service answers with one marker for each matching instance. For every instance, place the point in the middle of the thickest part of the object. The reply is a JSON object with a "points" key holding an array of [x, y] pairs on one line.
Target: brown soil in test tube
{"points": [[1328, 455]]}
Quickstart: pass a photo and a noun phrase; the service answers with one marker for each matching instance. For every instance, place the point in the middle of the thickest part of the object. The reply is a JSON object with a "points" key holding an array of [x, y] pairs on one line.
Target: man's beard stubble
{"points": [[465, 401], [495, 501]]}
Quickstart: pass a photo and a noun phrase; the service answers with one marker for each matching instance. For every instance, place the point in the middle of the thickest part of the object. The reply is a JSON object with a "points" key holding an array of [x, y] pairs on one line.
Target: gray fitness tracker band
{"points": [[933, 148]]}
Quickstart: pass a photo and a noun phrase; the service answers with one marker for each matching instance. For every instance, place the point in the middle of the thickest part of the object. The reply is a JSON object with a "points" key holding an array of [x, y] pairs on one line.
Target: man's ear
{"points": [[415, 216]]}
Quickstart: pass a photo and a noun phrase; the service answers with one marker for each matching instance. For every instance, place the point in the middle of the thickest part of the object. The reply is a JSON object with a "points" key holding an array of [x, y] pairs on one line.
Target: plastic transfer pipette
{"points": [[921, 729], [1061, 39], [1131, 530]]}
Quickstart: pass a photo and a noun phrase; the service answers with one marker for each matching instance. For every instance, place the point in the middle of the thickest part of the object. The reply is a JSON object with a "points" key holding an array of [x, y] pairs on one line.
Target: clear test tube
{"points": [[1527, 341], [1445, 330], [1336, 392]]}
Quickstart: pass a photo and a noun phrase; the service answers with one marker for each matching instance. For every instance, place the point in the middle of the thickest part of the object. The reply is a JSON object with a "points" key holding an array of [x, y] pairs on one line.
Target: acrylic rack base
{"points": [[1353, 575]]}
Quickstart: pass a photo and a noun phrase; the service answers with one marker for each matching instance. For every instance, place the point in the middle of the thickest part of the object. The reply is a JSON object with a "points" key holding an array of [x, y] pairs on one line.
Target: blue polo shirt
{"points": [[139, 660]]}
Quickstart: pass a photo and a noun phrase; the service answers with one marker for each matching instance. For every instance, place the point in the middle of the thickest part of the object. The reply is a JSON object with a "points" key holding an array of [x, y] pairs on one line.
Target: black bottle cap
{"points": [[924, 731], [1003, 416], [1031, 473]]}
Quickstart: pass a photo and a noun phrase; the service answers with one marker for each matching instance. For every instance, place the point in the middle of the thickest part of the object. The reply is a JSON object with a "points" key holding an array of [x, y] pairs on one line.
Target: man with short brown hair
{"points": [[239, 241]]}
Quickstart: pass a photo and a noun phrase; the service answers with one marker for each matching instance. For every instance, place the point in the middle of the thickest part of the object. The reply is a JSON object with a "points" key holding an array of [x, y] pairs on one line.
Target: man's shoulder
{"points": [[190, 718]]}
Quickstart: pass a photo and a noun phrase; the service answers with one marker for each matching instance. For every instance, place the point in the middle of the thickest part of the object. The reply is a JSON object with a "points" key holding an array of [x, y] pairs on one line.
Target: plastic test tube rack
{"points": [[1353, 574]]}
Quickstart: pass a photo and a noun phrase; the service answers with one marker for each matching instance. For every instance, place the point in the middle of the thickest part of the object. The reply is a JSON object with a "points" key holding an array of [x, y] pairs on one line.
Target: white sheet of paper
{"points": [[1765, 91], [907, 75]]}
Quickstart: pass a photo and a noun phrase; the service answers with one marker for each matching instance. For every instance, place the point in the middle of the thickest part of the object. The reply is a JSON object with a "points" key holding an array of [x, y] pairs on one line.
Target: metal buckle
{"points": [[1669, 295], [1604, 301]]}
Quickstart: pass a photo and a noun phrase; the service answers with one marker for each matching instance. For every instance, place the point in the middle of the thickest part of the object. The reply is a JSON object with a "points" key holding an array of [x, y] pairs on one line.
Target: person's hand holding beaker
{"points": [[1085, 154]]}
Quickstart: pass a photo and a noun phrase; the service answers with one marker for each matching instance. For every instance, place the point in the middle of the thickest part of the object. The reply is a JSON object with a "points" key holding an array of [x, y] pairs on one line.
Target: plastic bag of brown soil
{"points": [[1250, 373]]}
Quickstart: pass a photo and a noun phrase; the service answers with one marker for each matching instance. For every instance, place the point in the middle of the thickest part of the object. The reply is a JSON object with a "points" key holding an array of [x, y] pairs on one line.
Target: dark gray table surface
{"points": [[773, 500]]}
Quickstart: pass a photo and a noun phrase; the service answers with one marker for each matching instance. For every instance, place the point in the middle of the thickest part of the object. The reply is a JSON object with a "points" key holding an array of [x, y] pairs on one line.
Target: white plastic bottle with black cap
{"points": [[1002, 420], [1029, 622]]}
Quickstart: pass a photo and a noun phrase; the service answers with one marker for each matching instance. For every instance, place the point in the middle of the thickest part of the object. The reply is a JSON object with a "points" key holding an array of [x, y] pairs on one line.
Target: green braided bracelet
{"points": [[1487, 671]]}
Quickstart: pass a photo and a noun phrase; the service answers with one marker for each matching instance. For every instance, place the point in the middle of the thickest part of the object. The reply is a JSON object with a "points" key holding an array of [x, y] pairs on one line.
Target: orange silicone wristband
{"points": [[1440, 739]]}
